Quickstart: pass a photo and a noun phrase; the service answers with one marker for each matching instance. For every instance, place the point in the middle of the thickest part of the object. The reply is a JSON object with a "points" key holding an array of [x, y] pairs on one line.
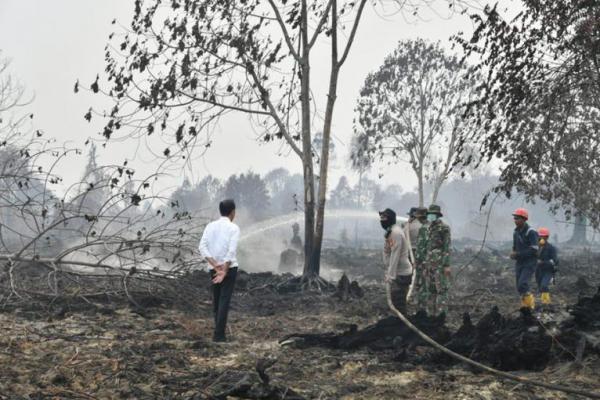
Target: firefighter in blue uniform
{"points": [[525, 253], [546, 266]]}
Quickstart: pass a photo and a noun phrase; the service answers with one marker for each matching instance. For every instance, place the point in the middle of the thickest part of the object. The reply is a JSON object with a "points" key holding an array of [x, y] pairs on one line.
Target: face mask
{"points": [[385, 224], [432, 217]]}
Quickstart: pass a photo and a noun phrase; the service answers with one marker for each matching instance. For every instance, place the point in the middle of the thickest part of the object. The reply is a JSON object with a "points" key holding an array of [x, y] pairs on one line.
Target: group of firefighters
{"points": [[418, 253]]}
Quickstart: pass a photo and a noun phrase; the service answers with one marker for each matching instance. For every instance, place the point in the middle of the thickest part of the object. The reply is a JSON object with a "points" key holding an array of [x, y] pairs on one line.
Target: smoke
{"points": [[261, 244]]}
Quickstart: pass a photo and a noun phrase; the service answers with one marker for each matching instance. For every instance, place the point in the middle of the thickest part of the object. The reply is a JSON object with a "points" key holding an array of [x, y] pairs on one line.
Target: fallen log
{"points": [[388, 333]]}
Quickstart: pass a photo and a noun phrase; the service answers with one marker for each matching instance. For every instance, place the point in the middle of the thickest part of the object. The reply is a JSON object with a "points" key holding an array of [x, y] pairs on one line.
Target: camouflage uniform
{"points": [[436, 260], [420, 256]]}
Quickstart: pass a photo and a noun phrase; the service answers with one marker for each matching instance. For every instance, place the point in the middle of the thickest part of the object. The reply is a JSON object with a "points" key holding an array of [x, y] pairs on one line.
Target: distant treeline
{"points": [[280, 192]]}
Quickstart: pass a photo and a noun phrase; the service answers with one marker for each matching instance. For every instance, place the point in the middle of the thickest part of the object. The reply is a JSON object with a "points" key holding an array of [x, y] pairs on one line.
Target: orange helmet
{"points": [[521, 212], [544, 232]]}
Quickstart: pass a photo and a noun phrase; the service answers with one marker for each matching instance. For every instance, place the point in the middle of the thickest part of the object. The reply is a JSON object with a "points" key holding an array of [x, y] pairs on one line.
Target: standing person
{"points": [[411, 230], [420, 256], [437, 261], [395, 256], [525, 253], [296, 241], [546, 266], [218, 246]]}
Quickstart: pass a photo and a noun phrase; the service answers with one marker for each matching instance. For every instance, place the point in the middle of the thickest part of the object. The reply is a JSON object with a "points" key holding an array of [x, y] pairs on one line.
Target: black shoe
{"points": [[219, 339]]}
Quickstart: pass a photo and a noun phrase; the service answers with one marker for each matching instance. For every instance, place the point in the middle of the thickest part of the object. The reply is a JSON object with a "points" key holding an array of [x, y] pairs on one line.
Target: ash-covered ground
{"points": [[337, 346]]}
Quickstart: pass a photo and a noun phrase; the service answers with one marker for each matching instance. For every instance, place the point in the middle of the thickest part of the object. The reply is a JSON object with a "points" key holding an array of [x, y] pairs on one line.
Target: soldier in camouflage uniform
{"points": [[420, 254], [436, 267]]}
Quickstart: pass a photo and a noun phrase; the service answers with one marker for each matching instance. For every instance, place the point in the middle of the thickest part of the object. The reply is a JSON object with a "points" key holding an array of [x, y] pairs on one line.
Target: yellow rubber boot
{"points": [[528, 301], [546, 298], [523, 302]]}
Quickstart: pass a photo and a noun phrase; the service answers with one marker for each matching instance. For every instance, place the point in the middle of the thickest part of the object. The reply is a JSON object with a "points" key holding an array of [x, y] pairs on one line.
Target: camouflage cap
{"points": [[435, 209]]}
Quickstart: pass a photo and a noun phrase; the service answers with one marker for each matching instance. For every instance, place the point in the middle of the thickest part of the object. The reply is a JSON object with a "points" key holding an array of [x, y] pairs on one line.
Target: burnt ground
{"points": [[113, 350]]}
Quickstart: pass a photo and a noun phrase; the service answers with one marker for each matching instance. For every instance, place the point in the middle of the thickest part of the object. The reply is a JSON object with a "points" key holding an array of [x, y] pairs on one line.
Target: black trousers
{"points": [[399, 291], [222, 293]]}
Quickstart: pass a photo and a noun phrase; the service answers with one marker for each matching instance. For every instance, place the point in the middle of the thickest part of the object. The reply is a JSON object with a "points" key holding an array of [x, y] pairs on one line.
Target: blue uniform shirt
{"points": [[525, 244], [548, 257]]}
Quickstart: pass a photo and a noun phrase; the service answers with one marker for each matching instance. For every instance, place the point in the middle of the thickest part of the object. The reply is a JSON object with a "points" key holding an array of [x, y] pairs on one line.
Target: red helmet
{"points": [[521, 212], [544, 232]]}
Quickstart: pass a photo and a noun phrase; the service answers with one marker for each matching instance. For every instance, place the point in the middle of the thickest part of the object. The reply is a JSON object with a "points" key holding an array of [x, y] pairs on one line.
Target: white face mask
{"points": [[432, 217]]}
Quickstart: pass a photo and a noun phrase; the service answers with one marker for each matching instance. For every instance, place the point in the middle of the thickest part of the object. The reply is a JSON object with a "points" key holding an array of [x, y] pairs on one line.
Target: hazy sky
{"points": [[54, 43]]}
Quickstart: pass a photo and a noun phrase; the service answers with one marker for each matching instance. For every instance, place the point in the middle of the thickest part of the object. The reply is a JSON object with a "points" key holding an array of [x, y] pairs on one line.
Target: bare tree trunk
{"points": [[579, 231], [331, 97], [443, 176], [420, 185], [307, 161], [436, 190], [309, 214]]}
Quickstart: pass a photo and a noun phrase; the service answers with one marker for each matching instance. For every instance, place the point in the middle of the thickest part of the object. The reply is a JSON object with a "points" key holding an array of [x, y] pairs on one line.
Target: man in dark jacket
{"points": [[546, 266], [525, 252]]}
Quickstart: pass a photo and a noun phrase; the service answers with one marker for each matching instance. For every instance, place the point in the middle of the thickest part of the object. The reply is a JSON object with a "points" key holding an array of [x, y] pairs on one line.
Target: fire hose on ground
{"points": [[478, 365]]}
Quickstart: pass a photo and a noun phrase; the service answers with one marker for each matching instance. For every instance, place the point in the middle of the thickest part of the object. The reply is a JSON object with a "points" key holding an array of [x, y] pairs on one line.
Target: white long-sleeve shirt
{"points": [[219, 241], [395, 254]]}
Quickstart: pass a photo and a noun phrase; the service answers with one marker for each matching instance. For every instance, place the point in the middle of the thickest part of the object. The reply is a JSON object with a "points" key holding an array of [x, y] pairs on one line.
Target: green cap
{"points": [[435, 209]]}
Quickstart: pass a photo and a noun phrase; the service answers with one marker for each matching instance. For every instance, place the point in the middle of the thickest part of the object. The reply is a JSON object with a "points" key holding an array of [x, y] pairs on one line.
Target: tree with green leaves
{"points": [[539, 108], [411, 109]]}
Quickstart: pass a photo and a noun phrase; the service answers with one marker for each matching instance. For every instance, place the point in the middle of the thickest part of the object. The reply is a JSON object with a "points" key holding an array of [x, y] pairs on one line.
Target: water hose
{"points": [[478, 365]]}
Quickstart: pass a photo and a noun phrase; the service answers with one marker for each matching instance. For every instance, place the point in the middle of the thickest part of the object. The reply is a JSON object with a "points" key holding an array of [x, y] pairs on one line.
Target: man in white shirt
{"points": [[218, 246]]}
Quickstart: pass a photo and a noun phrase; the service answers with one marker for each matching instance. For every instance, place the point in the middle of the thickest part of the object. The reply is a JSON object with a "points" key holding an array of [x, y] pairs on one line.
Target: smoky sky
{"points": [[54, 43]]}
